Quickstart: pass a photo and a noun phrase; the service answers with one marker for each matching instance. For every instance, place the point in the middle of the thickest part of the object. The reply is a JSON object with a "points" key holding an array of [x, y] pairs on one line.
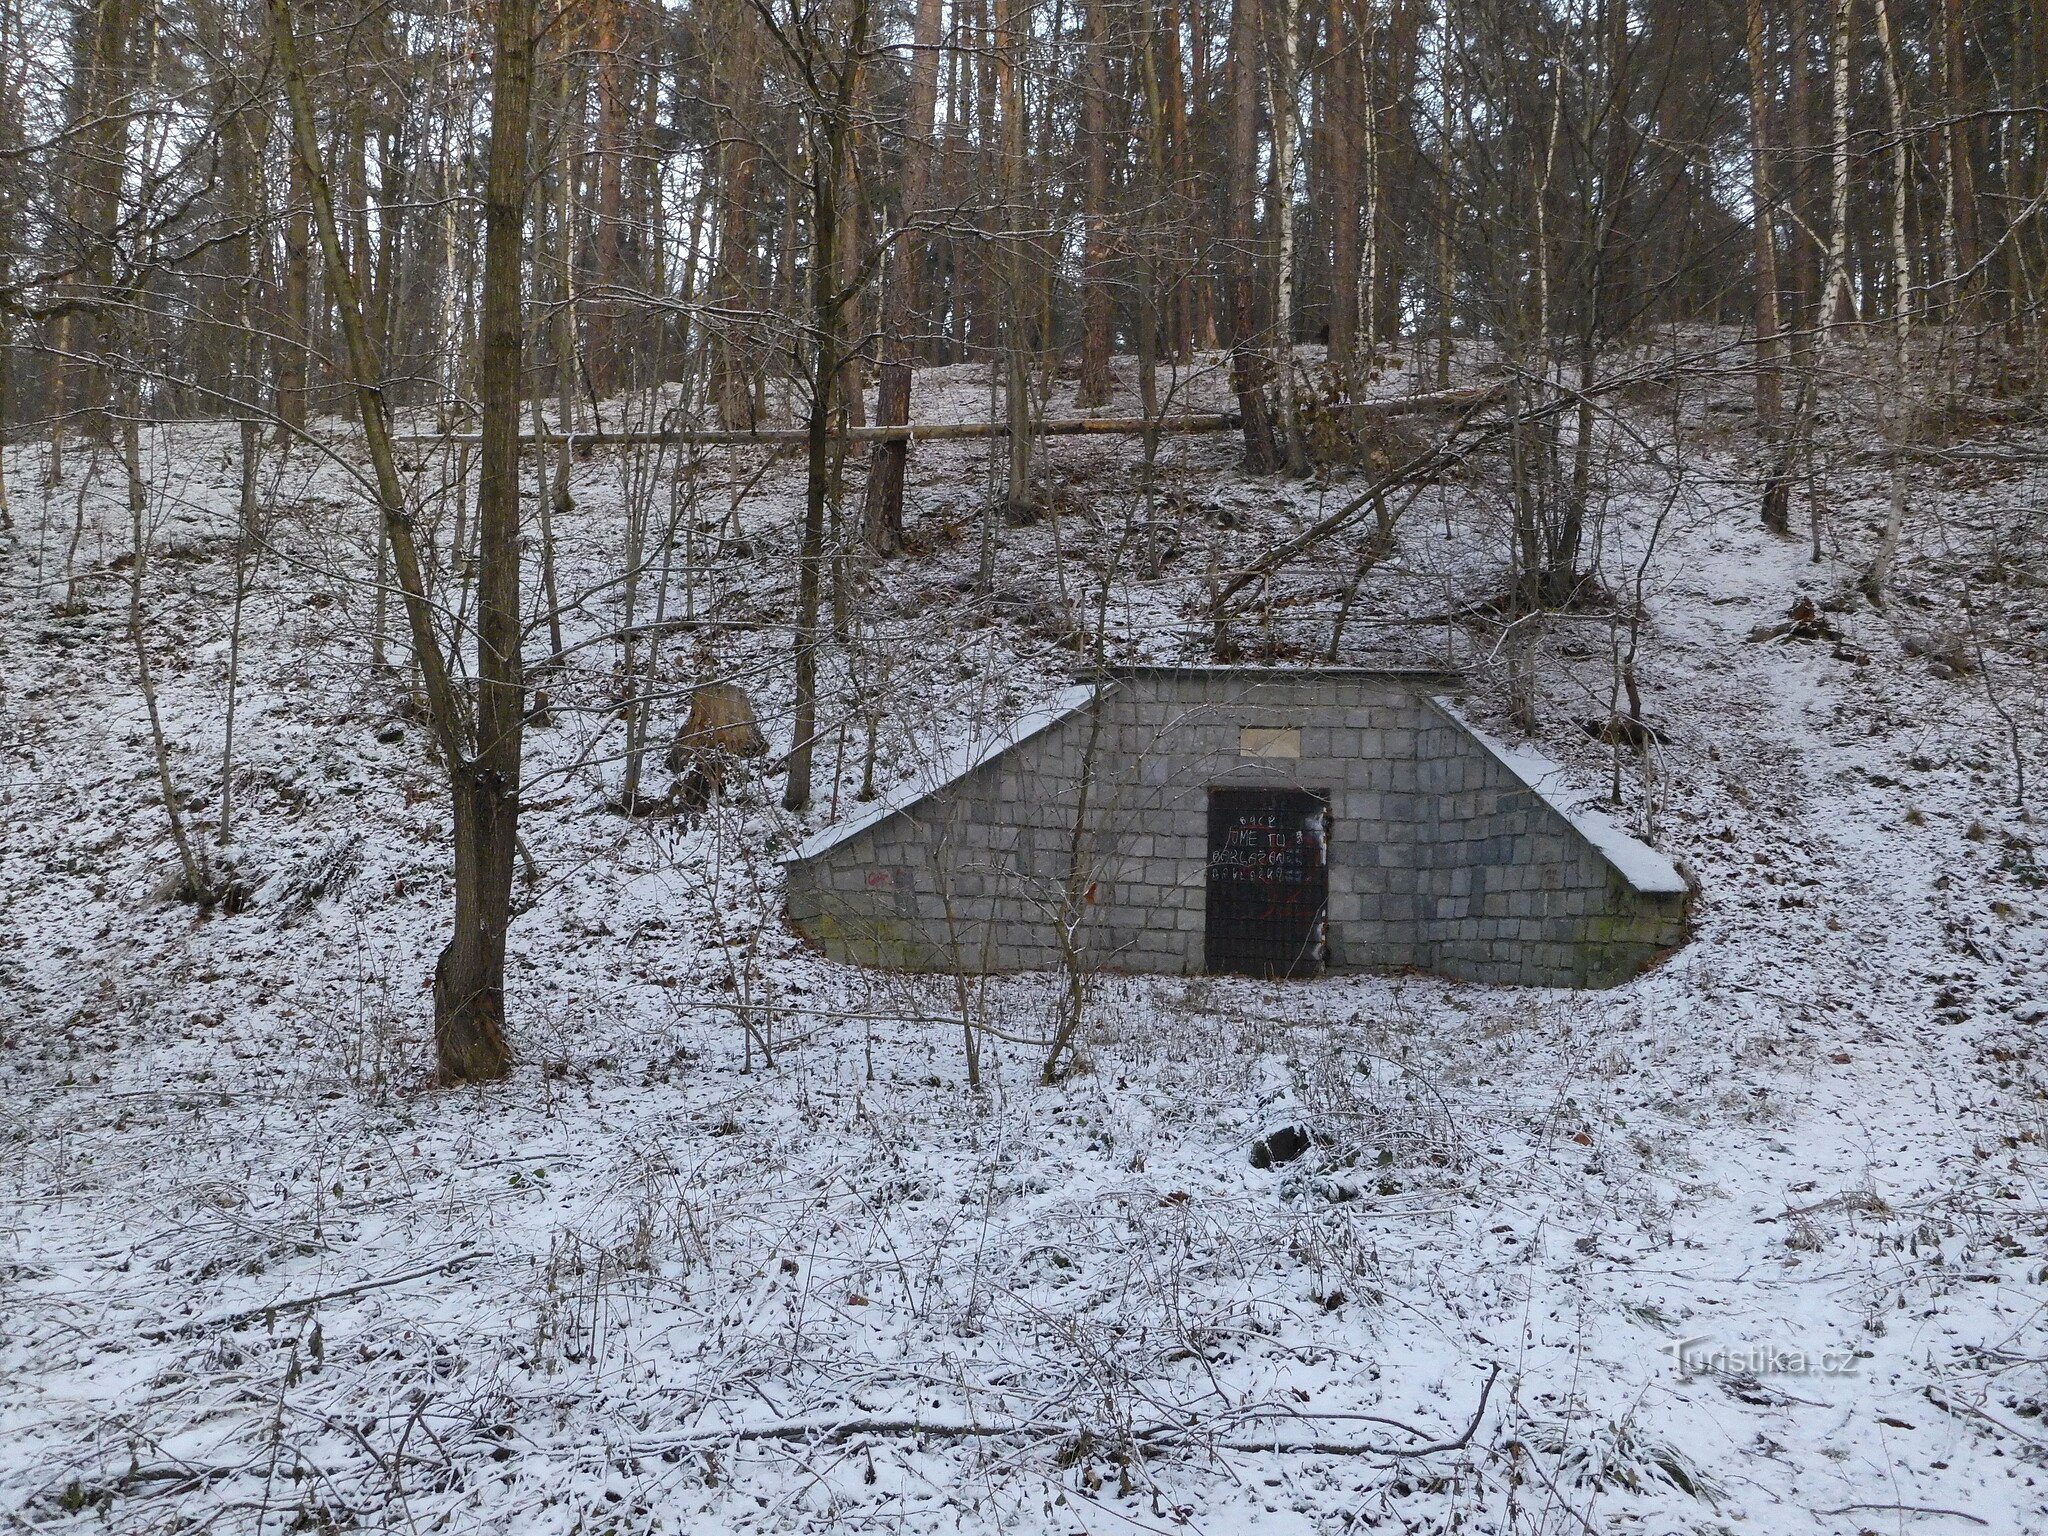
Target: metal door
{"points": [[1269, 882]]}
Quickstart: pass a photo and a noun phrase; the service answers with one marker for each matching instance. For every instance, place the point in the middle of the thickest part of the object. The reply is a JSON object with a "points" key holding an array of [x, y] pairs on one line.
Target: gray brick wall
{"points": [[1447, 852]]}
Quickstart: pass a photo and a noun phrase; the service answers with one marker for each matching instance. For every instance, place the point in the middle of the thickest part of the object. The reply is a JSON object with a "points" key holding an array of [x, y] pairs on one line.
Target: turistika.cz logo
{"points": [[1703, 1356]]}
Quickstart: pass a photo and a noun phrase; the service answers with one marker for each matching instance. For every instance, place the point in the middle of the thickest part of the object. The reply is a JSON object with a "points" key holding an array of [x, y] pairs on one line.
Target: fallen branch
{"points": [[835, 1431], [1346, 1448], [1416, 473], [1973, 455], [1907, 1509], [137, 1480], [1960, 1409], [301, 1303], [914, 432]]}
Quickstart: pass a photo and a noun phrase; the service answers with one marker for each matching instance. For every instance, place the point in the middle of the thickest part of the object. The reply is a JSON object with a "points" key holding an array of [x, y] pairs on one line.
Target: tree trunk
{"points": [[104, 110], [247, 550], [796, 791], [469, 978], [1798, 145], [1831, 291], [298, 323], [1394, 159], [1187, 307], [1835, 301], [1958, 193], [1898, 411], [851, 405], [1341, 127], [1284, 86], [195, 885], [483, 763], [1020, 495], [1098, 305], [1763, 218], [732, 365], [1248, 359], [831, 141], [607, 263], [1446, 205], [1157, 132]]}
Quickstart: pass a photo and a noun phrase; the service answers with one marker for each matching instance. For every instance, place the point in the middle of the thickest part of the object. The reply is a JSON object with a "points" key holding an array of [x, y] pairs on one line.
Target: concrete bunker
{"points": [[1267, 821]]}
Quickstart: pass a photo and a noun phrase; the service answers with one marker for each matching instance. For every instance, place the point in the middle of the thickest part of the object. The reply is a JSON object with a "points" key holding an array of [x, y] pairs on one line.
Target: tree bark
{"points": [[1284, 86], [1098, 305], [298, 323], [195, 885], [1394, 158], [1248, 361], [1188, 306], [1898, 410], [1020, 495], [1446, 204], [482, 761], [1835, 300], [837, 82], [882, 512], [1763, 216], [1340, 153], [1798, 191], [732, 355], [607, 253], [469, 979], [102, 120], [1958, 192]]}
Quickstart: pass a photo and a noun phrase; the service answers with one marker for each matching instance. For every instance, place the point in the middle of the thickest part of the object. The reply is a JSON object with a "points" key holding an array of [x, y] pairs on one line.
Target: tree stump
{"points": [[720, 733]]}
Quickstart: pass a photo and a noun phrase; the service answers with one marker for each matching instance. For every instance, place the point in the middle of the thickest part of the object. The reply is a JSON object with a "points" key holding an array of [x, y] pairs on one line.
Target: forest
{"points": [[488, 492]]}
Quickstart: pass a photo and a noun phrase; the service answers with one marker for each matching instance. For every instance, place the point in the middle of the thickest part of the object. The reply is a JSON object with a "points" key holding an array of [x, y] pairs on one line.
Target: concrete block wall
{"points": [[967, 870], [1517, 885], [1447, 852]]}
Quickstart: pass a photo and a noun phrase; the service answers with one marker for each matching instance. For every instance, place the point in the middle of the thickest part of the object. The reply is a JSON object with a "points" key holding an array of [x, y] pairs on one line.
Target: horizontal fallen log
{"points": [[942, 431], [1937, 453], [794, 437]]}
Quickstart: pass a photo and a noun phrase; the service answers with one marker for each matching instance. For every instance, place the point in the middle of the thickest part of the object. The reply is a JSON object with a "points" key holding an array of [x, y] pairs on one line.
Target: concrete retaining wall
{"points": [[1447, 851]]}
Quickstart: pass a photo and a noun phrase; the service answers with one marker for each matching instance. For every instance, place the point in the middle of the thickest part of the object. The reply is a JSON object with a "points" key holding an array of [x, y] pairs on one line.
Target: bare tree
{"points": [[481, 749], [1762, 218], [1248, 361], [882, 520], [824, 51], [1897, 407]]}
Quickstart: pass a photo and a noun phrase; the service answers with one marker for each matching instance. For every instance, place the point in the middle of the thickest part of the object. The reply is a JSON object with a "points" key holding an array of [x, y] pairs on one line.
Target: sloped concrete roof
{"points": [[945, 769], [1642, 866]]}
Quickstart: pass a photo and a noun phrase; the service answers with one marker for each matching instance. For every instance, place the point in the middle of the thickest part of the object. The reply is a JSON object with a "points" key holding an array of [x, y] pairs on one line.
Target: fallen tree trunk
{"points": [[784, 437], [937, 431]]}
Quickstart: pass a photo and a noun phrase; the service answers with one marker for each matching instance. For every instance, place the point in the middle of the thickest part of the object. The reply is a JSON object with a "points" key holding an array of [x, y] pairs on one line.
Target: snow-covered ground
{"points": [[1757, 1242]]}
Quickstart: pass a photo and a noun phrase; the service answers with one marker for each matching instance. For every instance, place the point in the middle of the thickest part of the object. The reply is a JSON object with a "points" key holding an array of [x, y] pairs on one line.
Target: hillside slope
{"points": [[737, 1249]]}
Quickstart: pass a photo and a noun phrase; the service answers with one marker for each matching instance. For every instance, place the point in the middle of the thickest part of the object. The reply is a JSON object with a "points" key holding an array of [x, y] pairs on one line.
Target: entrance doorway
{"points": [[1269, 882]]}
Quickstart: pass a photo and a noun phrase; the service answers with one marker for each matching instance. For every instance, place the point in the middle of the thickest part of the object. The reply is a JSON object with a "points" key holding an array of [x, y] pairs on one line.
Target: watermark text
{"points": [[1700, 1355]]}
